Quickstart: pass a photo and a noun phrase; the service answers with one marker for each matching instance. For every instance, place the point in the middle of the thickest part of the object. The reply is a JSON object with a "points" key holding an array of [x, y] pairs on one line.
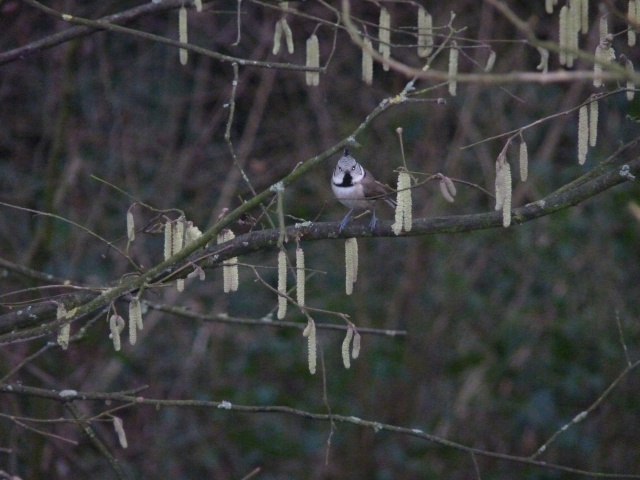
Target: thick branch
{"points": [[266, 240]]}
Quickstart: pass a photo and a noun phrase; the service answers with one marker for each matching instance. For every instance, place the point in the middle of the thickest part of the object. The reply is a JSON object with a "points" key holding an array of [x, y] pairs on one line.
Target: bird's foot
{"points": [[345, 220], [373, 222]]}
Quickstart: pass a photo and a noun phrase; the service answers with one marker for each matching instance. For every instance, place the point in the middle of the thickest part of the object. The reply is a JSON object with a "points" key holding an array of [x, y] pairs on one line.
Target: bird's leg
{"points": [[374, 219], [345, 220]]}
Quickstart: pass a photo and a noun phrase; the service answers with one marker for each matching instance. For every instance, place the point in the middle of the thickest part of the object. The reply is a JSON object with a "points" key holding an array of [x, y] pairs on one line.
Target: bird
{"points": [[356, 188]]}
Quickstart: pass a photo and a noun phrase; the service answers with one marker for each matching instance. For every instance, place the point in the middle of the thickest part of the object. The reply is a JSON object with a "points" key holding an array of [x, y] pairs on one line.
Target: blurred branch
{"points": [[69, 396], [613, 71], [38, 46], [111, 23], [33, 274], [104, 24], [526, 29]]}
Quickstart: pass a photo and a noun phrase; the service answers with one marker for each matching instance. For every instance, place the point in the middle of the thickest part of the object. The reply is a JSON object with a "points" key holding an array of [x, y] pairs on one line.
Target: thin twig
{"points": [[38, 431], [585, 413], [227, 133], [19, 389], [71, 222], [325, 400], [93, 438], [251, 474], [224, 318], [622, 341]]}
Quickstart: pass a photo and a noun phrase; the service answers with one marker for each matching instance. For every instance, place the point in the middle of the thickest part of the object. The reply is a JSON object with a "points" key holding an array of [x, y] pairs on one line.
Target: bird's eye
{"points": [[353, 168]]}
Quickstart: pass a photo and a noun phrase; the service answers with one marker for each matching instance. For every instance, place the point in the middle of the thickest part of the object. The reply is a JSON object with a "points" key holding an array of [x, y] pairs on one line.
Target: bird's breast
{"points": [[351, 196]]}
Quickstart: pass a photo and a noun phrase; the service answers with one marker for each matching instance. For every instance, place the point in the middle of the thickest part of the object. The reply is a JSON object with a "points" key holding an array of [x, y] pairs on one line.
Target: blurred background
{"points": [[510, 332]]}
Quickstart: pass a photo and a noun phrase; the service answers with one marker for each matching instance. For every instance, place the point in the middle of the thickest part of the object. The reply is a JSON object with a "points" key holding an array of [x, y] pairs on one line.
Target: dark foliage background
{"points": [[511, 332]]}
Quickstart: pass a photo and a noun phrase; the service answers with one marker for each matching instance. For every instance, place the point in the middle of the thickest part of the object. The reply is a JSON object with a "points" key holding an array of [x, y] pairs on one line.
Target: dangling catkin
{"points": [[131, 228], [355, 348], [631, 15], [168, 239], [453, 69], [630, 83], [230, 266], [300, 277], [499, 183], [118, 426], [445, 191], [506, 191], [345, 347], [282, 284], [313, 60], [367, 63], [524, 161], [311, 346], [603, 28], [584, 17], [593, 123], [182, 29], [135, 319], [384, 36], [548, 6], [354, 258], [425, 33], [451, 187], [63, 335], [491, 61], [604, 53], [277, 37], [573, 24], [116, 324], [192, 233], [543, 66], [597, 68], [351, 264], [408, 206], [404, 204], [563, 35], [233, 272], [288, 35], [178, 235], [307, 329], [583, 134], [133, 328]]}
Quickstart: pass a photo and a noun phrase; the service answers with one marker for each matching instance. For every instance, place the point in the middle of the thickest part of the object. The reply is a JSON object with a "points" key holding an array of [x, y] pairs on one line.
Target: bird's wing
{"points": [[376, 190]]}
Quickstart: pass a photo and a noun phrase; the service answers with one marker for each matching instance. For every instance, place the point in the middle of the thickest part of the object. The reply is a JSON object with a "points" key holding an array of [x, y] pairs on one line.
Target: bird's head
{"points": [[347, 171]]}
